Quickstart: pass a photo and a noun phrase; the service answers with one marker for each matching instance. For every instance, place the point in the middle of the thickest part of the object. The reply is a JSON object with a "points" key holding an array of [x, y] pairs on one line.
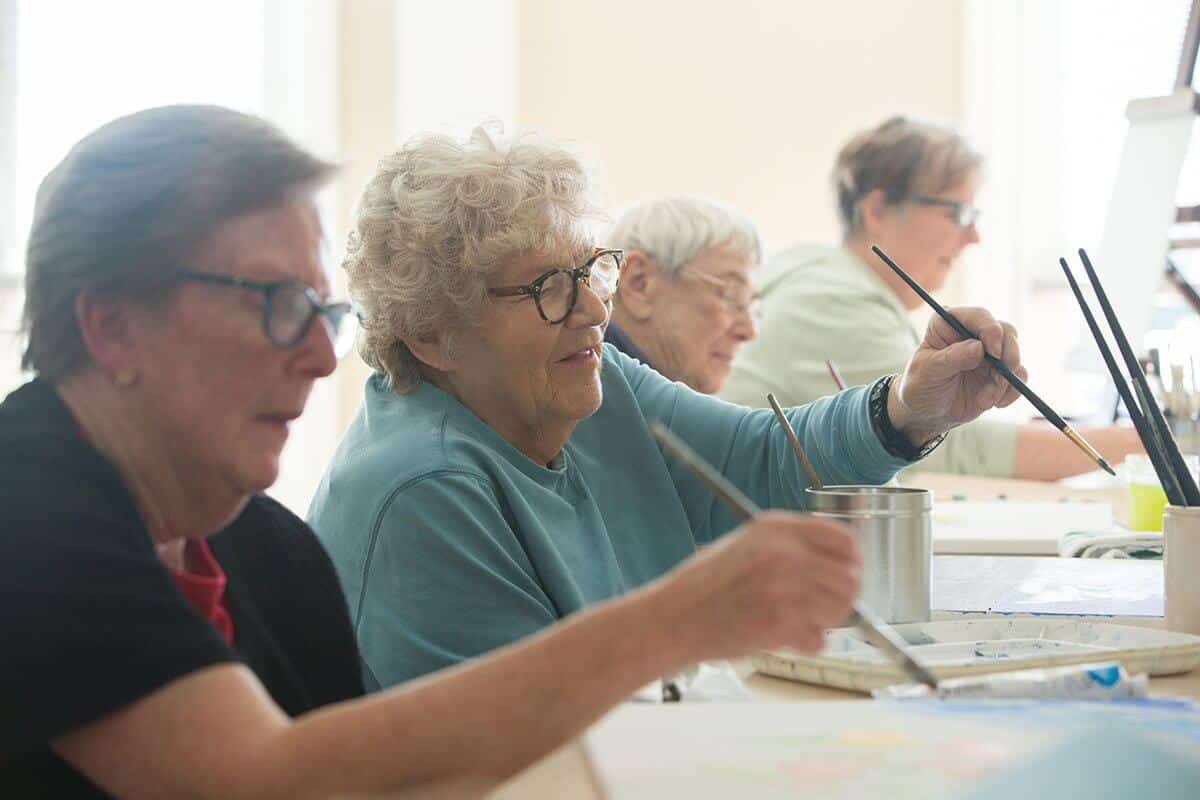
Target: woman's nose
{"points": [[316, 357], [745, 324], [590, 309]]}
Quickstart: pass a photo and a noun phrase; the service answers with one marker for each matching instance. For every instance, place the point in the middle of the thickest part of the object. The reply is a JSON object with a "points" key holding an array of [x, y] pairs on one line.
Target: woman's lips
{"points": [[584, 358], [587, 355]]}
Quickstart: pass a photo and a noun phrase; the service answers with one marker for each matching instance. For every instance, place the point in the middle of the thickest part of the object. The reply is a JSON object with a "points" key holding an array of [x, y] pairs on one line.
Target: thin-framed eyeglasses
{"points": [[556, 291], [289, 308], [965, 215], [739, 296]]}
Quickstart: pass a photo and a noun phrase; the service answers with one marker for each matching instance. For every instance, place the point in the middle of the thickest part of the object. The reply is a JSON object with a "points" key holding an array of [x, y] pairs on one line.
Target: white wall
{"points": [[747, 102]]}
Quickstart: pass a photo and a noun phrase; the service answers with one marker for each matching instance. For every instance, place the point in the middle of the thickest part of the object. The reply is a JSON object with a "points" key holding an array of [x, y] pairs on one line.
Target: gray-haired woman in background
{"points": [[687, 299]]}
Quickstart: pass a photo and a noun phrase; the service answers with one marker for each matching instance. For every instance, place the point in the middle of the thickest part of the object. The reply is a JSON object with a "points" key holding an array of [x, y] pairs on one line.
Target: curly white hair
{"points": [[439, 215]]}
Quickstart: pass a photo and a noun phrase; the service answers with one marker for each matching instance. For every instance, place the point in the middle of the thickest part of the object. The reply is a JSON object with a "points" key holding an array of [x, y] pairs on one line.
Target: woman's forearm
{"points": [[493, 716], [1044, 454]]}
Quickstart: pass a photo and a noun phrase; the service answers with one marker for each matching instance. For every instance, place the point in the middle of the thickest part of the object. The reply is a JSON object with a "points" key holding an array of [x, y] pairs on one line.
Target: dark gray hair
{"points": [[904, 157], [130, 203]]}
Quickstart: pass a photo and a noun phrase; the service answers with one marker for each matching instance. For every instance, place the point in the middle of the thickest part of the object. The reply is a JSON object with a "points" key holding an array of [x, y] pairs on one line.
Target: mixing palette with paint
{"points": [[958, 648]]}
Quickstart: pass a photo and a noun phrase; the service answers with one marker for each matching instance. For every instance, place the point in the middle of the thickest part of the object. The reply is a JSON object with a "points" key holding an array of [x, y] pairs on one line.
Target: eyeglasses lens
{"points": [[557, 295], [604, 274], [289, 310]]}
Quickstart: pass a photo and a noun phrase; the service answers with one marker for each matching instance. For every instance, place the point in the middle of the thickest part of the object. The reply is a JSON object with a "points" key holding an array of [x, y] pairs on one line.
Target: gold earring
{"points": [[125, 377]]}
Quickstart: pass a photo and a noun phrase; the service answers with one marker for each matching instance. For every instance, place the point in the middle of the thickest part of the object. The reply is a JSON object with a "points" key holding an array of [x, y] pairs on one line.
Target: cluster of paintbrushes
{"points": [[1177, 481]]}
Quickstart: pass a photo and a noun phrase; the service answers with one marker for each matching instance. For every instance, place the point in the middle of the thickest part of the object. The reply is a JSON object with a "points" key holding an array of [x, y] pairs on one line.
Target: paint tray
{"points": [[954, 648]]}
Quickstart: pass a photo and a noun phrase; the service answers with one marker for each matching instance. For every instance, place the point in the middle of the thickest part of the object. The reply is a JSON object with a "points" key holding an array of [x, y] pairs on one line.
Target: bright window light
{"points": [[82, 64]]}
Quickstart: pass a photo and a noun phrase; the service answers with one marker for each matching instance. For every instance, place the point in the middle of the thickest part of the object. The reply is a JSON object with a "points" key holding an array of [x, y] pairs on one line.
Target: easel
{"points": [[1143, 206], [1187, 214]]}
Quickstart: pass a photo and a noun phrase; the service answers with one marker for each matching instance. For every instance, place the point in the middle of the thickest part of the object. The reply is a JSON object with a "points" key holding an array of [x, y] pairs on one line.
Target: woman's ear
{"points": [[639, 280], [432, 353], [113, 331], [871, 210]]}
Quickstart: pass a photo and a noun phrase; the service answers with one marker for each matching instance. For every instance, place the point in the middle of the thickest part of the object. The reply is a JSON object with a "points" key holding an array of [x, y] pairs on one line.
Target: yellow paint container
{"points": [[1146, 498]]}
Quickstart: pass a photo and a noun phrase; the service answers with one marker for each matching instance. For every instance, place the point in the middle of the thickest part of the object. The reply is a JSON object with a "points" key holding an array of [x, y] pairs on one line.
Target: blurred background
{"points": [[746, 102]]}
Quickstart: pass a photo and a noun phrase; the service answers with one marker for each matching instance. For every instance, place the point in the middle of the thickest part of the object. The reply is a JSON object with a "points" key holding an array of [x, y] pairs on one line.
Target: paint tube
{"points": [[1105, 681]]}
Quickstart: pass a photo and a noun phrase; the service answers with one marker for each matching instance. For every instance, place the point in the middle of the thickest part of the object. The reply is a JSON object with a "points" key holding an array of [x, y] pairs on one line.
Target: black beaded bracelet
{"points": [[893, 441]]}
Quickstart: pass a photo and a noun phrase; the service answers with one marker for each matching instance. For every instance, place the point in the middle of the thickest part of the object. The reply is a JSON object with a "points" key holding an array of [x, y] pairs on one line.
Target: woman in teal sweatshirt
{"points": [[500, 474]]}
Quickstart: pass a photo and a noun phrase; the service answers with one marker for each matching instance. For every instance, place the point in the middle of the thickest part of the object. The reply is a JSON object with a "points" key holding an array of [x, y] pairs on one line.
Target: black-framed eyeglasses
{"points": [[965, 215], [556, 291], [289, 308]]}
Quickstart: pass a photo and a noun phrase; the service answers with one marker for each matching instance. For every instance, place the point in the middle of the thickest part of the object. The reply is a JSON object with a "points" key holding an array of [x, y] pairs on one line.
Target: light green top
{"points": [[824, 303], [449, 542]]}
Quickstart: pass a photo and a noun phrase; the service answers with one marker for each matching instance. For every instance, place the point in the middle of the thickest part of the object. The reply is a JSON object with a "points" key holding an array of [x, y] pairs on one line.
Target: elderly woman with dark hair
{"points": [[687, 301], [501, 474], [169, 631], [908, 186]]}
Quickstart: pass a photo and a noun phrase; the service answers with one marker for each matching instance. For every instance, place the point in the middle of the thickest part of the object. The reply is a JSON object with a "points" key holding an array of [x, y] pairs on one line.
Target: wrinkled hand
{"points": [[781, 580], [947, 381]]}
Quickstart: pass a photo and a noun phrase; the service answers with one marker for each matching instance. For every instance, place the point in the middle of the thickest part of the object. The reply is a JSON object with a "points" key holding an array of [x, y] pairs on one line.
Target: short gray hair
{"points": [[904, 157], [126, 208], [438, 217], [674, 230]]}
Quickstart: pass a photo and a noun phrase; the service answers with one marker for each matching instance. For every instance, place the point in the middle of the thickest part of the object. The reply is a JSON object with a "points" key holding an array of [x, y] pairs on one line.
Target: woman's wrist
{"points": [[902, 432], [663, 618]]}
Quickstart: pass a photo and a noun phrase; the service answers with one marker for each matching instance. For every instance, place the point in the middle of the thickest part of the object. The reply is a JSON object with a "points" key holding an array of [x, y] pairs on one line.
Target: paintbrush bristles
{"points": [[813, 477]]}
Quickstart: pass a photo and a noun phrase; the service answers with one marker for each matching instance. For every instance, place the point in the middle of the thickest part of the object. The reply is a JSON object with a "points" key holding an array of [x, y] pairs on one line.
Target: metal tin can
{"points": [[894, 534]]}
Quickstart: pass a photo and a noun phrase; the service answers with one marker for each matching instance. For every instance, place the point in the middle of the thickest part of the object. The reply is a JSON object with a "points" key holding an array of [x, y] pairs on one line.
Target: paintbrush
{"points": [[1153, 414], [1046, 411], [878, 632], [838, 380], [1149, 441], [813, 478]]}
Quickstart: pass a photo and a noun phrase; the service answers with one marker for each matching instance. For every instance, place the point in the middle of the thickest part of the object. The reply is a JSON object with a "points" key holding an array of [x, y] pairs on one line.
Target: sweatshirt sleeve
{"points": [[750, 448]]}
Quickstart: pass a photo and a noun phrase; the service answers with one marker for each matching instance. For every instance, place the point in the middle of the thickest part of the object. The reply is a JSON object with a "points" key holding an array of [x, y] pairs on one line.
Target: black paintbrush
{"points": [[1149, 440], [1154, 417], [1046, 411]]}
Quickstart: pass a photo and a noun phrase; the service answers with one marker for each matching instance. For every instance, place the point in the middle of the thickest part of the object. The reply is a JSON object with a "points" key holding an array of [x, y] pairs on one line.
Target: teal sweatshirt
{"points": [[449, 542]]}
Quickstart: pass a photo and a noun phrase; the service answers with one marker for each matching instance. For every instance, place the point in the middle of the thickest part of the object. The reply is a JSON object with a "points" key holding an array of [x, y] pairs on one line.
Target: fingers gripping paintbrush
{"points": [[1046, 411]]}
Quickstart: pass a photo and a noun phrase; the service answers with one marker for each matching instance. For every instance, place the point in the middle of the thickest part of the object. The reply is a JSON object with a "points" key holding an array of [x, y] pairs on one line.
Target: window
{"points": [[68, 66], [1047, 83], [77, 65]]}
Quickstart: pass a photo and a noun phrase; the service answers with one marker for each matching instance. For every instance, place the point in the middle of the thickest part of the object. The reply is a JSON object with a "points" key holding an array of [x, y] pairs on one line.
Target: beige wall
{"points": [[746, 102]]}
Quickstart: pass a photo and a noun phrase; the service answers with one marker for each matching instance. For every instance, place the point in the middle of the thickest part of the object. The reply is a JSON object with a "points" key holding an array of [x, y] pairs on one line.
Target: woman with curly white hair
{"points": [[501, 475]]}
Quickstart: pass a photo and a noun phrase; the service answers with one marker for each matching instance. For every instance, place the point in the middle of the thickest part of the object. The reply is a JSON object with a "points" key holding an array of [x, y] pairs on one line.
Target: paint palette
{"points": [[956, 648]]}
